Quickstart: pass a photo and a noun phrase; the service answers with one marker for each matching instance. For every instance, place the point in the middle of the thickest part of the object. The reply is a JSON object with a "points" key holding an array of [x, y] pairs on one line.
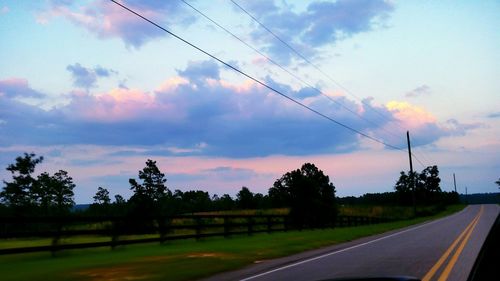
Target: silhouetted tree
{"points": [[62, 190], [42, 190], [118, 208], [261, 201], [404, 184], [245, 199], [195, 201], [225, 202], [102, 196], [428, 189], [280, 194], [153, 184], [101, 205], [55, 193], [426, 183], [20, 192], [151, 197], [119, 200], [309, 194], [498, 182]]}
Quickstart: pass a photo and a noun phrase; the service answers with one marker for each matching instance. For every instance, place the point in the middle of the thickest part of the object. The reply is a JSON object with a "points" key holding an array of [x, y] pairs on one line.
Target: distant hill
{"points": [[80, 207], [481, 198]]}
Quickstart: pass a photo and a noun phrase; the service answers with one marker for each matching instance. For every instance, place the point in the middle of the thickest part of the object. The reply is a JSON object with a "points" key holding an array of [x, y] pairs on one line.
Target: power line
{"points": [[255, 79], [312, 64], [418, 160], [319, 69], [284, 69]]}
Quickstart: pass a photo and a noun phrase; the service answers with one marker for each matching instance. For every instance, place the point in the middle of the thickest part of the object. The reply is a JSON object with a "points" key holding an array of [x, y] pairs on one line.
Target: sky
{"points": [[97, 91]]}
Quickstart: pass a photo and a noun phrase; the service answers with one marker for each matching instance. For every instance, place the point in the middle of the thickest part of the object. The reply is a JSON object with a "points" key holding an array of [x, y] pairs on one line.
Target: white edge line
{"points": [[346, 249]]}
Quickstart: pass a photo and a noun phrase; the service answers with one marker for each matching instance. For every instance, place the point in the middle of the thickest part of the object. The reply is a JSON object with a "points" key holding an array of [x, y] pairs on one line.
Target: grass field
{"points": [[182, 260], [388, 212]]}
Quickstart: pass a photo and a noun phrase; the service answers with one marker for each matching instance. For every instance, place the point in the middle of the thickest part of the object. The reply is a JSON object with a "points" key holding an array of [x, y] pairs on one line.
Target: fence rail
{"points": [[164, 228]]}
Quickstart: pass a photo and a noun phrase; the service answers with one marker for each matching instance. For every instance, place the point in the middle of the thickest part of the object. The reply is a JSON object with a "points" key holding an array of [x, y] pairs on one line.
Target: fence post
{"points": [[198, 228], [250, 225], [115, 229], [269, 225], [226, 226], [56, 239], [163, 224]]}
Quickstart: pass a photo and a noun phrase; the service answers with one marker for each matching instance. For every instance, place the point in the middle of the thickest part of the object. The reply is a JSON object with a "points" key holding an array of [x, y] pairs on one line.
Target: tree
{"points": [[102, 196], [43, 191], [195, 201], [426, 184], [224, 202], [119, 200], [62, 191], [498, 182], [309, 194], [152, 195], [428, 188], [153, 183], [245, 199], [55, 192], [20, 192], [403, 184], [261, 201]]}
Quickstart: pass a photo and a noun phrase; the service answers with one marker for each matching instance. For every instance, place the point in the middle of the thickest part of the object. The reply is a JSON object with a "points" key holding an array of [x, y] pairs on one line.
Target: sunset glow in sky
{"points": [[97, 91]]}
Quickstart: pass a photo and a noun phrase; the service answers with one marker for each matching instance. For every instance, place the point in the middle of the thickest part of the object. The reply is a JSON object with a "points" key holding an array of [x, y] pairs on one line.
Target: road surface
{"points": [[444, 249]]}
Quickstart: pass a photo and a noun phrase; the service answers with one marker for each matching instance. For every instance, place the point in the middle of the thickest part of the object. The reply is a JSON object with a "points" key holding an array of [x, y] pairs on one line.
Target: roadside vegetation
{"points": [[187, 259], [306, 194]]}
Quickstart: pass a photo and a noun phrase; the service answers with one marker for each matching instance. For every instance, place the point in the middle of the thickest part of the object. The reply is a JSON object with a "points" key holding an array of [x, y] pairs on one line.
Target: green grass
{"points": [[182, 260]]}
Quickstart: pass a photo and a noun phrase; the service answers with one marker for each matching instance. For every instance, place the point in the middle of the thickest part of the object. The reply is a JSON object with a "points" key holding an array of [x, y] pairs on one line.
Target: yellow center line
{"points": [[451, 263], [443, 258]]}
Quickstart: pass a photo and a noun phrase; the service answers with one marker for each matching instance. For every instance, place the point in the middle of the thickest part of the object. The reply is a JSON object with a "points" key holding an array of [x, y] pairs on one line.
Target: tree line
{"points": [[307, 192]]}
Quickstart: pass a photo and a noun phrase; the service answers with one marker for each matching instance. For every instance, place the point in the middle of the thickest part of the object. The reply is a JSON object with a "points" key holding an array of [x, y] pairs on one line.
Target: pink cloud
{"points": [[234, 120], [18, 87], [117, 105], [108, 20]]}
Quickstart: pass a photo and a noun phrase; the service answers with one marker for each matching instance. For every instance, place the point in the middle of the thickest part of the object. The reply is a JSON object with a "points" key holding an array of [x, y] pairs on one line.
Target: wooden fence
{"points": [[129, 230]]}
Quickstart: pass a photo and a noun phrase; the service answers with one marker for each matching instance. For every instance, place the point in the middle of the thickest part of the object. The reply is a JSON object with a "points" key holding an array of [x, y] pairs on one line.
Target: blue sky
{"points": [[98, 91]]}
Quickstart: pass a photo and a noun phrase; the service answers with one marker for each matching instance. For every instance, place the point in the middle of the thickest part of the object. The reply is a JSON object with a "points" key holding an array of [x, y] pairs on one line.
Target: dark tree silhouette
{"points": [[195, 201], [62, 191], [427, 187], [309, 194], [261, 201], [153, 183], [42, 189], [404, 187], [102, 196], [119, 200], [21, 191], [498, 182], [101, 205], [151, 197], [224, 202], [55, 193], [245, 199]]}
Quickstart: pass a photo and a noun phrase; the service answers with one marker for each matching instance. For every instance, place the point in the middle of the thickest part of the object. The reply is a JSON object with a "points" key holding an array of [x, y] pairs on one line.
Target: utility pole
{"points": [[454, 182], [412, 179]]}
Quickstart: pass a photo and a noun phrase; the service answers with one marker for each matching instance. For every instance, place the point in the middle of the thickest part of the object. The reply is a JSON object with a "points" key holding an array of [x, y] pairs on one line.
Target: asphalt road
{"points": [[444, 249]]}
